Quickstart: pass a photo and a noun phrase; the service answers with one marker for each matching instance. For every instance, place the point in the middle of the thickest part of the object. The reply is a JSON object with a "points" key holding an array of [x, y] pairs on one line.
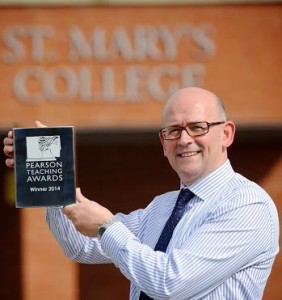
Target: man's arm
{"points": [[81, 248], [75, 246]]}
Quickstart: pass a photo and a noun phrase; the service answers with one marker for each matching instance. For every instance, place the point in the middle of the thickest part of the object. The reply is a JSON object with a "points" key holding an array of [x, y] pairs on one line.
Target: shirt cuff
{"points": [[114, 239], [55, 207]]}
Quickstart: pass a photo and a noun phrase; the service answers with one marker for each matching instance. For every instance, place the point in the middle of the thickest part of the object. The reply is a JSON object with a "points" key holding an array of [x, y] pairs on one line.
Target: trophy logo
{"points": [[43, 148]]}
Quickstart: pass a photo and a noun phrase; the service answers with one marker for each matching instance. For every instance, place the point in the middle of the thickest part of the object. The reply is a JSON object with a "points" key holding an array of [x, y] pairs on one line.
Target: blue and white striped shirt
{"points": [[222, 248]]}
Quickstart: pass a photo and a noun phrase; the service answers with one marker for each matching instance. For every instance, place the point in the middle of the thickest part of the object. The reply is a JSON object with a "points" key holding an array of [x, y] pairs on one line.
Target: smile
{"points": [[188, 154]]}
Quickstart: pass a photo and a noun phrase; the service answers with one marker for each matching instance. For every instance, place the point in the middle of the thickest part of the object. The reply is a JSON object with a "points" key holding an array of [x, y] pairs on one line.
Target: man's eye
{"points": [[196, 127], [173, 131]]}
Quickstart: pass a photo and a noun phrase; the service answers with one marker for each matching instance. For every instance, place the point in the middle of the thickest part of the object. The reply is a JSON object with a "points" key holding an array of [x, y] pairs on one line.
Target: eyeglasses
{"points": [[193, 129]]}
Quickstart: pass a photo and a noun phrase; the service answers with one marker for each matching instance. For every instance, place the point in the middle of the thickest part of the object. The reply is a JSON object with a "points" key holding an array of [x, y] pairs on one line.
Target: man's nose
{"points": [[185, 138]]}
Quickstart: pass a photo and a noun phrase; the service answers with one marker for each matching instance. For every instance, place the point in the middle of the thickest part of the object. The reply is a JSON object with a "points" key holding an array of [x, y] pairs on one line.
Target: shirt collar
{"points": [[212, 183]]}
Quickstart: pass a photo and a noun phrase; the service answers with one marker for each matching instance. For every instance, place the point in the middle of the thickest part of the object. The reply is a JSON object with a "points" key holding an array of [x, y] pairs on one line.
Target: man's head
{"points": [[194, 157]]}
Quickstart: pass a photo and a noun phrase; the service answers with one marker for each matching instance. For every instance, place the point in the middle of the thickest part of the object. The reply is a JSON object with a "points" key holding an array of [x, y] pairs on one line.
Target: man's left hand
{"points": [[86, 215]]}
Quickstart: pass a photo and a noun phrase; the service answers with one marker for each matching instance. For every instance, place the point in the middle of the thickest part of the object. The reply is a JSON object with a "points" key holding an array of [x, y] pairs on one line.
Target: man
{"points": [[224, 244]]}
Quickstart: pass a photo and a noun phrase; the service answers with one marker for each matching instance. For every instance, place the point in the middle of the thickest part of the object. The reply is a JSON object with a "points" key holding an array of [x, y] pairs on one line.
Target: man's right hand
{"points": [[9, 149], [9, 146]]}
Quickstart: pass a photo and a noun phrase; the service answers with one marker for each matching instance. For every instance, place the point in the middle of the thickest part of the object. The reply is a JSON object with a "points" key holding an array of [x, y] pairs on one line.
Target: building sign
{"points": [[115, 67], [91, 72]]}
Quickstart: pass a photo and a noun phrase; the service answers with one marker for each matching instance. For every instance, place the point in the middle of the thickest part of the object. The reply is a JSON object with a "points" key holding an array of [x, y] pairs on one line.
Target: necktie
{"points": [[184, 196]]}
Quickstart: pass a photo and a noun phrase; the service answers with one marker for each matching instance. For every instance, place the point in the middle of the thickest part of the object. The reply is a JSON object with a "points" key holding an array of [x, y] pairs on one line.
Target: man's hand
{"points": [[86, 215], [9, 146], [9, 149]]}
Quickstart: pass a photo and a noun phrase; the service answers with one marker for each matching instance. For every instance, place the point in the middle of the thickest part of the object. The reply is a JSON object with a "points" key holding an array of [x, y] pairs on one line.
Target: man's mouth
{"points": [[188, 154]]}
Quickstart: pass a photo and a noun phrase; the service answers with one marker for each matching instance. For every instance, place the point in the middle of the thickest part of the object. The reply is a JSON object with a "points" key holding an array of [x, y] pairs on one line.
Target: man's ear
{"points": [[228, 133], [163, 144]]}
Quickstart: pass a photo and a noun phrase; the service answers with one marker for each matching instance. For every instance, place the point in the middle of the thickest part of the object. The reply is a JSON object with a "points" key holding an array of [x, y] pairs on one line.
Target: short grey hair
{"points": [[221, 108]]}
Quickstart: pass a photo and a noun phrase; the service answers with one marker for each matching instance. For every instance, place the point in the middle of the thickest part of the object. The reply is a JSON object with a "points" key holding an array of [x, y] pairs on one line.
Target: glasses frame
{"points": [[209, 124]]}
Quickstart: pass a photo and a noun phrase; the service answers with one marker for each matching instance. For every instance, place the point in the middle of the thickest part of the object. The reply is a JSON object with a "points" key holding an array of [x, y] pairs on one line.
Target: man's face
{"points": [[195, 157]]}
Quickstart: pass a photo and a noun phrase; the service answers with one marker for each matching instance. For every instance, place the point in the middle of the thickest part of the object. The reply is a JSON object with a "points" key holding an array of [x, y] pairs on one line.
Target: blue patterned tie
{"points": [[184, 196]]}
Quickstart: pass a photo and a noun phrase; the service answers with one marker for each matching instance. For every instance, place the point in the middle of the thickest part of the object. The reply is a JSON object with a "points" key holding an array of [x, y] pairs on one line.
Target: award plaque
{"points": [[44, 166]]}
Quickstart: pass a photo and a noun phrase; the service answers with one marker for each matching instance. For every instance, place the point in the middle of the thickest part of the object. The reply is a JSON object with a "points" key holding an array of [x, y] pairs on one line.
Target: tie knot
{"points": [[184, 196]]}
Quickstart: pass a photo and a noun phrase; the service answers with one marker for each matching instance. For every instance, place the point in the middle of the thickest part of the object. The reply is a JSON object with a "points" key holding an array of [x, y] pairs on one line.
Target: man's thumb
{"points": [[79, 197], [39, 124]]}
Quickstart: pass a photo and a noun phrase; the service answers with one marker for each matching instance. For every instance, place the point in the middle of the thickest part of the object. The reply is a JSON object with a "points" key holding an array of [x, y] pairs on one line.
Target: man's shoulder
{"points": [[166, 196], [240, 185], [165, 199]]}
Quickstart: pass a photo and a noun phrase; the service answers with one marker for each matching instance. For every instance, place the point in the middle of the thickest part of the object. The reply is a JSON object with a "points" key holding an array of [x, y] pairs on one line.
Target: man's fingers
{"points": [[38, 124], [9, 162], [67, 210], [8, 141], [10, 134], [8, 150]]}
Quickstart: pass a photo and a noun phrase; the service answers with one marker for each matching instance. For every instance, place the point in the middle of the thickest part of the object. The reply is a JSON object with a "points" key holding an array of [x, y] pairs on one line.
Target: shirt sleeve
{"points": [[234, 237], [75, 246], [78, 247]]}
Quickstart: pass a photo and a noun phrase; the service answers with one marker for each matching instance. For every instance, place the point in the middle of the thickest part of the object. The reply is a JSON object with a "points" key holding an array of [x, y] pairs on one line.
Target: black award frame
{"points": [[44, 166]]}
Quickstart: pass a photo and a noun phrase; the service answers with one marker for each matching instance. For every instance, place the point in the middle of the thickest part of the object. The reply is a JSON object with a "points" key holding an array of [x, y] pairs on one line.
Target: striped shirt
{"points": [[223, 248]]}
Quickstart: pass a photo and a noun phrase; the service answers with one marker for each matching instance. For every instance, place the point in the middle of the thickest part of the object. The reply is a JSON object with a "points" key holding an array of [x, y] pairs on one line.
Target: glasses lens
{"points": [[197, 128], [171, 133]]}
